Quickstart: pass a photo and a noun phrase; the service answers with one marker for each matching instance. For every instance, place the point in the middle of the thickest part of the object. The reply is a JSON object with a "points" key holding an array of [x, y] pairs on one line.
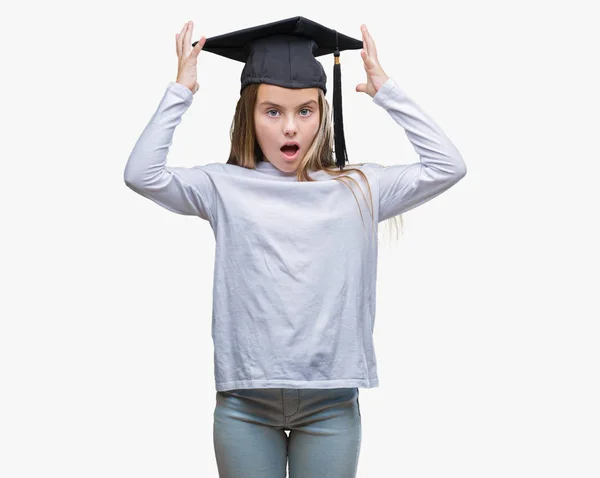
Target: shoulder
{"points": [[368, 166], [217, 168], [210, 167], [371, 170]]}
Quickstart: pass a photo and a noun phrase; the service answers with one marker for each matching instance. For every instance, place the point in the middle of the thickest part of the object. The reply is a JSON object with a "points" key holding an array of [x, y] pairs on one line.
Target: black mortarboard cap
{"points": [[283, 53]]}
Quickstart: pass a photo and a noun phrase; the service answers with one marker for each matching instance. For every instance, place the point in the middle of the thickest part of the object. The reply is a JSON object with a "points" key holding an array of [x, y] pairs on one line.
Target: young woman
{"points": [[296, 242]]}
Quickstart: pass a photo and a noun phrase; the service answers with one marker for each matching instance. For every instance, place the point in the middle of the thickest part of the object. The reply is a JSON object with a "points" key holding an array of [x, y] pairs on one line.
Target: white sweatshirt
{"points": [[296, 262]]}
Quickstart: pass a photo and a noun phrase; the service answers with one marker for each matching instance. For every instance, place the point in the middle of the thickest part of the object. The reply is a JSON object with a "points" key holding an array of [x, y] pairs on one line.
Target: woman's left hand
{"points": [[376, 77]]}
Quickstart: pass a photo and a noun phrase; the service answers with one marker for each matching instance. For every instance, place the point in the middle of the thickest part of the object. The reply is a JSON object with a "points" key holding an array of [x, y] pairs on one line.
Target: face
{"points": [[283, 115]]}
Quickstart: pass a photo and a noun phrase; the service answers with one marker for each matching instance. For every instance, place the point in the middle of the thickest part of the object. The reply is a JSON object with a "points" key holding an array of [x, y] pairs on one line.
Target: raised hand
{"points": [[376, 77], [187, 74]]}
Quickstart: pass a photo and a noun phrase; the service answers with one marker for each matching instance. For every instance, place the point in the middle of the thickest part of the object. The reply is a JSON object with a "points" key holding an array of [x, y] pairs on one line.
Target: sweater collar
{"points": [[268, 168]]}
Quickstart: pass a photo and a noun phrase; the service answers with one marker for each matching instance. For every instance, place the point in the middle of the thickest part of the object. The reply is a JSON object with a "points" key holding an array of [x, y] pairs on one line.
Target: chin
{"points": [[287, 166]]}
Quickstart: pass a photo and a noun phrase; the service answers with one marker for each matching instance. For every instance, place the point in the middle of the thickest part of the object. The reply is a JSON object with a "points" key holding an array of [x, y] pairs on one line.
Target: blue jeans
{"points": [[324, 432]]}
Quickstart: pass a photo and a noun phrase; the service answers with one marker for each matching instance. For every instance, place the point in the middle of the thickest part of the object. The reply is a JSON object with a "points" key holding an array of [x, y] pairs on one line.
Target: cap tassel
{"points": [[341, 156]]}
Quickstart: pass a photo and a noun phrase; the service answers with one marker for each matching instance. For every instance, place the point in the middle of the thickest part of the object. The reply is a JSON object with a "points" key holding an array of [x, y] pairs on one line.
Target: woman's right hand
{"points": [[187, 74]]}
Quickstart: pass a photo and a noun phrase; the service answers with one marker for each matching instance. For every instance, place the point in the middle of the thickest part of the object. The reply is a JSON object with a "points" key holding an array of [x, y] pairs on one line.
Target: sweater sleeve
{"points": [[405, 186], [187, 191]]}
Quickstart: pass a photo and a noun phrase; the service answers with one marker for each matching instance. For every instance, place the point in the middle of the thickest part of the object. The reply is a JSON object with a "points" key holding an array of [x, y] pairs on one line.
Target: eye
{"points": [[308, 110]]}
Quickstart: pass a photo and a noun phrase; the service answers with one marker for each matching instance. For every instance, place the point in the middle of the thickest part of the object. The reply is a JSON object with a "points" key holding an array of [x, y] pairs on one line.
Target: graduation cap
{"points": [[283, 53]]}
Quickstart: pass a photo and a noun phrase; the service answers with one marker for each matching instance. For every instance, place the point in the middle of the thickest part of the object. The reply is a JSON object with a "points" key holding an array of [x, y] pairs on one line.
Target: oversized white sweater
{"points": [[296, 262]]}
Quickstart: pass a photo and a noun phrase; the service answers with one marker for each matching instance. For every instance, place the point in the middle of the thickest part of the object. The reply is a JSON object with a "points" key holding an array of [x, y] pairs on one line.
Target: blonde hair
{"points": [[246, 152]]}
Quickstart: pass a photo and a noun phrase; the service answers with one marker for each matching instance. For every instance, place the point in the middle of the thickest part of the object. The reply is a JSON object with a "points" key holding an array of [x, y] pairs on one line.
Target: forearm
{"points": [[431, 143], [147, 161]]}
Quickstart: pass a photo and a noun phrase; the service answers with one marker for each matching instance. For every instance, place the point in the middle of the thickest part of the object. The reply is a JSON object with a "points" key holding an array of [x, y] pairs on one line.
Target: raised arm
{"points": [[405, 186], [187, 191]]}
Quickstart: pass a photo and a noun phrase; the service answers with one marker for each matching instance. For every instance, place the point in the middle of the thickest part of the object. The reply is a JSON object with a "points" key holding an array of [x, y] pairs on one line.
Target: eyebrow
{"points": [[266, 103]]}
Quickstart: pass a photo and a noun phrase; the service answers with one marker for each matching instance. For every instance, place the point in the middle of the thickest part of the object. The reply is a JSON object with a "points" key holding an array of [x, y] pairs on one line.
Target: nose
{"points": [[290, 128]]}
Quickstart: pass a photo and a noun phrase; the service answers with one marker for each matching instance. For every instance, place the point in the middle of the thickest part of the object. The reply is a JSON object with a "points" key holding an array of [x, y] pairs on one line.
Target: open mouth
{"points": [[290, 151]]}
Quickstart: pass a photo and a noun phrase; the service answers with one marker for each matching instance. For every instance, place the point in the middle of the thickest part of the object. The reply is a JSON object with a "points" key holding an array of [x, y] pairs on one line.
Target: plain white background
{"points": [[487, 327]]}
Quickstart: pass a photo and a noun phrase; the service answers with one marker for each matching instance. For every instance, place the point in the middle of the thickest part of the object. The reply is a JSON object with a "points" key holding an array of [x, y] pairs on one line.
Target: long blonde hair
{"points": [[246, 152]]}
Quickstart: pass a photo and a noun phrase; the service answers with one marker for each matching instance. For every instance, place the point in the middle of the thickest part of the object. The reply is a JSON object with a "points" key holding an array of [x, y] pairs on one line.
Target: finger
{"points": [[177, 44], [190, 34], [187, 41], [363, 29], [371, 43], [198, 47], [368, 62], [180, 40]]}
